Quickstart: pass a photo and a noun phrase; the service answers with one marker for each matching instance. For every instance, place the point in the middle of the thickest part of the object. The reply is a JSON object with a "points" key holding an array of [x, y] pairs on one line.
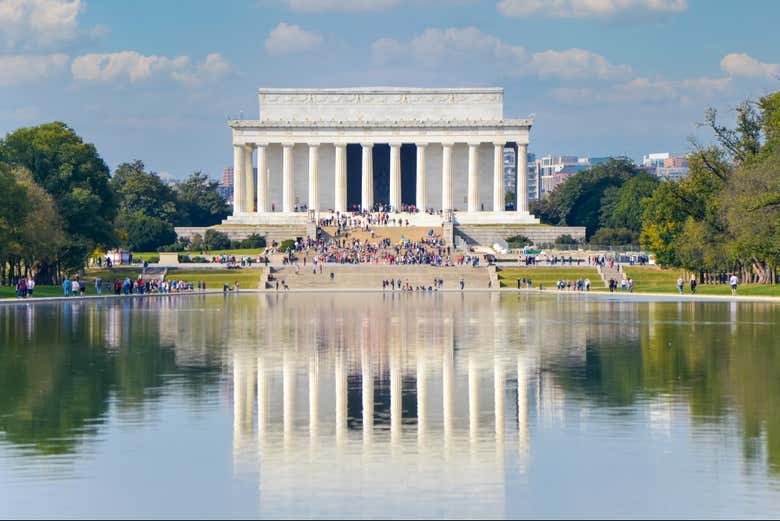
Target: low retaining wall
{"points": [[239, 232], [488, 234]]}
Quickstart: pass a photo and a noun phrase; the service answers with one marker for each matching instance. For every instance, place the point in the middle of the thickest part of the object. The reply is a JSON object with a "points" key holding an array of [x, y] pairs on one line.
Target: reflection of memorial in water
{"points": [[429, 390]]}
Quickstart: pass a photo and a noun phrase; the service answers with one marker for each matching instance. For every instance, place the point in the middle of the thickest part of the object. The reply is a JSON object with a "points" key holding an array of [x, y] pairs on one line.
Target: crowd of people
{"points": [[581, 284], [428, 250], [25, 287]]}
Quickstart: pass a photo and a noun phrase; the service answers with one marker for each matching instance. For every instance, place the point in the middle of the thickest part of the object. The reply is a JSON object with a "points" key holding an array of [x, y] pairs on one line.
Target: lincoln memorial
{"points": [[431, 154]]}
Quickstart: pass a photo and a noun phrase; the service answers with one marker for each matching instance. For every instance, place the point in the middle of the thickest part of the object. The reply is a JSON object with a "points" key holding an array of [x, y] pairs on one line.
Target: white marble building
{"points": [[318, 151]]}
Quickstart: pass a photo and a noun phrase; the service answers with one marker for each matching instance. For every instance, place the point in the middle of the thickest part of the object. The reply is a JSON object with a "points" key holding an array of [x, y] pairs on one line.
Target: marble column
{"points": [[421, 195], [499, 199], [288, 181], [522, 178], [395, 176], [263, 192], [446, 177], [473, 399], [238, 179], [314, 176], [314, 398], [288, 396], [342, 386], [367, 377], [341, 178], [367, 185], [249, 180], [473, 198], [422, 403]]}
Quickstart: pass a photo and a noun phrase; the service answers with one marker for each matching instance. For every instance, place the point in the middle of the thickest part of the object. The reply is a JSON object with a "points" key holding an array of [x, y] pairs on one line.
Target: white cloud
{"points": [[214, 67], [290, 39], [16, 70], [471, 50], [647, 90], [744, 65], [39, 23], [588, 8], [449, 46], [319, 6], [130, 66], [124, 65], [576, 63]]}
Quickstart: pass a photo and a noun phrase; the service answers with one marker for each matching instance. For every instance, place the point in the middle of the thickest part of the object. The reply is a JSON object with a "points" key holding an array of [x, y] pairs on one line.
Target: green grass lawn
{"points": [[215, 279], [649, 279], [548, 277], [89, 277]]}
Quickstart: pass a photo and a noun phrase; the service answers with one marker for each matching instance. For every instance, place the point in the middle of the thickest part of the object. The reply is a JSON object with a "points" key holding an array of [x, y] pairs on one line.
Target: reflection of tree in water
{"points": [[61, 366], [697, 353]]}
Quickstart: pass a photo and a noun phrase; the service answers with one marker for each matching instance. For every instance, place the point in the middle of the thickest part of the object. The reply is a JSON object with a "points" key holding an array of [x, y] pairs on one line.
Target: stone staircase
{"points": [[154, 273], [488, 234], [365, 276], [609, 273], [394, 233]]}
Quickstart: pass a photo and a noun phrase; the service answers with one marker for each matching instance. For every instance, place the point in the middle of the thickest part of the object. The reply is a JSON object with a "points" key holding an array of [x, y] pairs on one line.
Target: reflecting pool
{"points": [[370, 405]]}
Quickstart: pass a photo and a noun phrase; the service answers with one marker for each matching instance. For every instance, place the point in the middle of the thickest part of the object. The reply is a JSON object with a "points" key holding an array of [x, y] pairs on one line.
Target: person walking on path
{"points": [[99, 285], [693, 284], [462, 284], [680, 285], [66, 287], [733, 281]]}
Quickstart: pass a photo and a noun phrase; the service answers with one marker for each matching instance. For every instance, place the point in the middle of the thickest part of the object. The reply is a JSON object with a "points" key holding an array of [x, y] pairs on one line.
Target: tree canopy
{"points": [[77, 179]]}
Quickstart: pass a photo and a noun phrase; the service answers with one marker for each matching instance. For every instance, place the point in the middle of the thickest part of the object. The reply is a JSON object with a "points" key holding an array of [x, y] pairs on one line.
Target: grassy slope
{"points": [[214, 279], [548, 277], [653, 280]]}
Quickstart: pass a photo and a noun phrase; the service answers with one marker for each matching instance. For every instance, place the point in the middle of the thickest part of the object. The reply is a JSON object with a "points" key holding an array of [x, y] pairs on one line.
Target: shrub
{"points": [[287, 244], [614, 237], [566, 239], [216, 240], [519, 241], [253, 241]]}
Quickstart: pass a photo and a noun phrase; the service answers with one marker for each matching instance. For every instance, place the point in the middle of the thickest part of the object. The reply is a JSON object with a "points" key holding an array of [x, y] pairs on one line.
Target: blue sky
{"points": [[155, 80]]}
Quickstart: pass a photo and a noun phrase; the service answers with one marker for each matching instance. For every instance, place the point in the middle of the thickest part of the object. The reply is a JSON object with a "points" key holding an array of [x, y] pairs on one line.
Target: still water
{"points": [[389, 406]]}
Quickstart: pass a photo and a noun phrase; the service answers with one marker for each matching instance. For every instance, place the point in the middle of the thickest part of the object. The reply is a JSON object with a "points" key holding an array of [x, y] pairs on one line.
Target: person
{"points": [[733, 283], [332, 276], [75, 287], [680, 285], [630, 285], [66, 287], [30, 286], [99, 285], [693, 284], [462, 284], [236, 287]]}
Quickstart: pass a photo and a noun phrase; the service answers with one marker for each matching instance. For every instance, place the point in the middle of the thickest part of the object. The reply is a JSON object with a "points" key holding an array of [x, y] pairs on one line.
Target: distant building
{"points": [[226, 186], [551, 171], [667, 166]]}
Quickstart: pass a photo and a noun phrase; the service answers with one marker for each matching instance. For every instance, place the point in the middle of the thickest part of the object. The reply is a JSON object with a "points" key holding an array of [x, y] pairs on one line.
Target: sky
{"points": [[157, 80]]}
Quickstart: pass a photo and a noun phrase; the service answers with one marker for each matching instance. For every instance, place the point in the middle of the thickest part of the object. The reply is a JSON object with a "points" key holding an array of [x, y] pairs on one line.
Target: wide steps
{"points": [[364, 276]]}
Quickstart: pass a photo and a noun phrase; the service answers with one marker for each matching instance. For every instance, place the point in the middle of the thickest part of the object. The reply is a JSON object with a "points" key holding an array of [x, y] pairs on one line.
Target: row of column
{"points": [[244, 179]]}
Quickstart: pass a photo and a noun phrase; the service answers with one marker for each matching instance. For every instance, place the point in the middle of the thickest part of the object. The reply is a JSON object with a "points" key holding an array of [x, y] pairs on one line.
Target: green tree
{"points": [[579, 200], [77, 179], [622, 207], [147, 208], [199, 201]]}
